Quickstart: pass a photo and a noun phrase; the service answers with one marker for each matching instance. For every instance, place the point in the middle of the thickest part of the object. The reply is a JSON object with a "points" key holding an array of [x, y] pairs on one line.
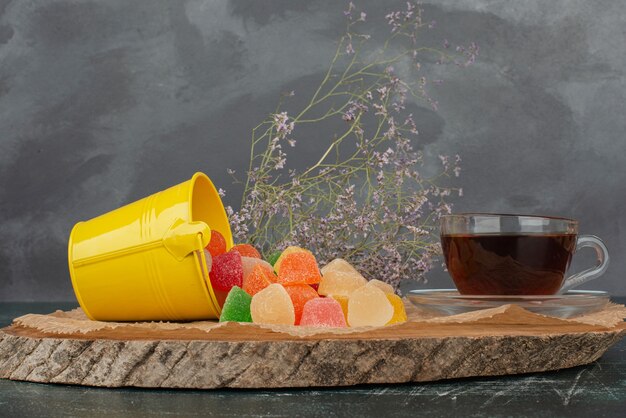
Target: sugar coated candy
{"points": [[341, 265], [217, 243], [246, 250], [322, 312], [227, 271], [340, 278], [298, 268], [258, 279], [249, 263], [399, 313], [300, 294], [272, 305], [385, 287], [286, 252], [340, 283], [237, 306], [343, 301], [369, 306], [273, 257]]}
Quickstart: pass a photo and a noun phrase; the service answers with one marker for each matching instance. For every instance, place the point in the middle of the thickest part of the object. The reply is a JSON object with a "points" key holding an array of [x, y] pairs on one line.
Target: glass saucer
{"points": [[450, 302]]}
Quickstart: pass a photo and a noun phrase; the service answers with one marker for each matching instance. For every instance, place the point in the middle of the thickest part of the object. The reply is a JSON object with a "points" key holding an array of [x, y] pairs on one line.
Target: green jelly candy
{"points": [[237, 306], [273, 257]]}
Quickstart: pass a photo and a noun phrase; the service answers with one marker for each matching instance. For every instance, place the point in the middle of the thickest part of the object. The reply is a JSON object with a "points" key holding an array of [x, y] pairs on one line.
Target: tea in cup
{"points": [[493, 254]]}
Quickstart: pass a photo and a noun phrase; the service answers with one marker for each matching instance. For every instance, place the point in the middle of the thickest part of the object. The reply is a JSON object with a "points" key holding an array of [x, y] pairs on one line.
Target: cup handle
{"points": [[584, 276]]}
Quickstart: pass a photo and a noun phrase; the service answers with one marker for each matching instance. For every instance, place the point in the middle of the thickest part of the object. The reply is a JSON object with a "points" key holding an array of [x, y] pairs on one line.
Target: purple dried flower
{"points": [[369, 203], [348, 13]]}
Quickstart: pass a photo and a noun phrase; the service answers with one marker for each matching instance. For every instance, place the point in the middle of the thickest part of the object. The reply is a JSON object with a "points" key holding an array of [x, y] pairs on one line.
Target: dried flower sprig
{"points": [[365, 198]]}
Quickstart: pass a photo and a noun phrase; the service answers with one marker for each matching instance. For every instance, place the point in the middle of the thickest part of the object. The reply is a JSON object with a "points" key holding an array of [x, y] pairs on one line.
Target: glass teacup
{"points": [[494, 254]]}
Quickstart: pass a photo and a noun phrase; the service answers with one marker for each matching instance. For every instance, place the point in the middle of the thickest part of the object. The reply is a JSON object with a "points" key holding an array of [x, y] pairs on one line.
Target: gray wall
{"points": [[104, 102]]}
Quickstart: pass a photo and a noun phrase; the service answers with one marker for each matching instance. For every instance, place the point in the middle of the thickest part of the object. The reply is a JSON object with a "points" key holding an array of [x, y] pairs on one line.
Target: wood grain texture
{"points": [[240, 356]]}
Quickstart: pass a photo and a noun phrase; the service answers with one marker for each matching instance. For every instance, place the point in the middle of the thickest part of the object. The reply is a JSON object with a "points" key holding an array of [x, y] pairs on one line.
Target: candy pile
{"points": [[289, 289]]}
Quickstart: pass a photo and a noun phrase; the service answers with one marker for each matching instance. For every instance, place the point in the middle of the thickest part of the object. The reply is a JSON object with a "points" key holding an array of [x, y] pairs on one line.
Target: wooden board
{"points": [[244, 356]]}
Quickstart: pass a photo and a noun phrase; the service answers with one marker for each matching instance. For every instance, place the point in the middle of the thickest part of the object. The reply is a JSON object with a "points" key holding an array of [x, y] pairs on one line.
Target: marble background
{"points": [[104, 102]]}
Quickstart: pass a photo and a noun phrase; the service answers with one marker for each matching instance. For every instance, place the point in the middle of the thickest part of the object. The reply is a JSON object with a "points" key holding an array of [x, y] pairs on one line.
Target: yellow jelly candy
{"points": [[399, 313], [340, 278], [340, 265], [272, 305], [368, 306], [387, 288], [340, 283]]}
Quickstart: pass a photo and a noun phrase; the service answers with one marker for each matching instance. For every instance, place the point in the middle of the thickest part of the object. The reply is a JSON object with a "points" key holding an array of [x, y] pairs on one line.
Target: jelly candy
{"points": [[217, 244], [300, 294], [249, 263], [340, 278], [227, 271], [341, 265], [272, 305], [237, 306], [273, 257], [323, 312], [343, 301], [340, 283], [369, 306], [246, 250], [298, 268], [220, 296], [399, 313], [285, 253], [258, 279], [387, 288]]}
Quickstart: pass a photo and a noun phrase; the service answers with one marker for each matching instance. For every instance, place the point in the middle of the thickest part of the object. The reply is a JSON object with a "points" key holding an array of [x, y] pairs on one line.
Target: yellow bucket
{"points": [[145, 261]]}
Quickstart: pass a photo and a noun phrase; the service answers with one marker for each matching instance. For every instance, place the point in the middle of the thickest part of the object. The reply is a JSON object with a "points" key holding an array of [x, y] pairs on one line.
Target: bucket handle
{"points": [[181, 239]]}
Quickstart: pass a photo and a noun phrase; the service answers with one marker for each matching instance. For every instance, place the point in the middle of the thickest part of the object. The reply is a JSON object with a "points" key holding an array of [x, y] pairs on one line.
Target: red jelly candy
{"points": [[323, 312], [227, 271], [300, 294], [217, 244], [246, 250]]}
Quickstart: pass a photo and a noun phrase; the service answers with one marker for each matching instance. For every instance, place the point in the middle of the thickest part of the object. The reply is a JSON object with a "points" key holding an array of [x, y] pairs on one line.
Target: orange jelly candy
{"points": [[246, 250], [258, 279], [399, 313], [289, 250], [343, 301], [217, 244], [299, 268], [300, 294]]}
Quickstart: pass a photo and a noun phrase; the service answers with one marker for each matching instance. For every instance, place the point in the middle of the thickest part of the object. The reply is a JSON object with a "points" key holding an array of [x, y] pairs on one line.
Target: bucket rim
{"points": [[201, 258], [70, 262]]}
